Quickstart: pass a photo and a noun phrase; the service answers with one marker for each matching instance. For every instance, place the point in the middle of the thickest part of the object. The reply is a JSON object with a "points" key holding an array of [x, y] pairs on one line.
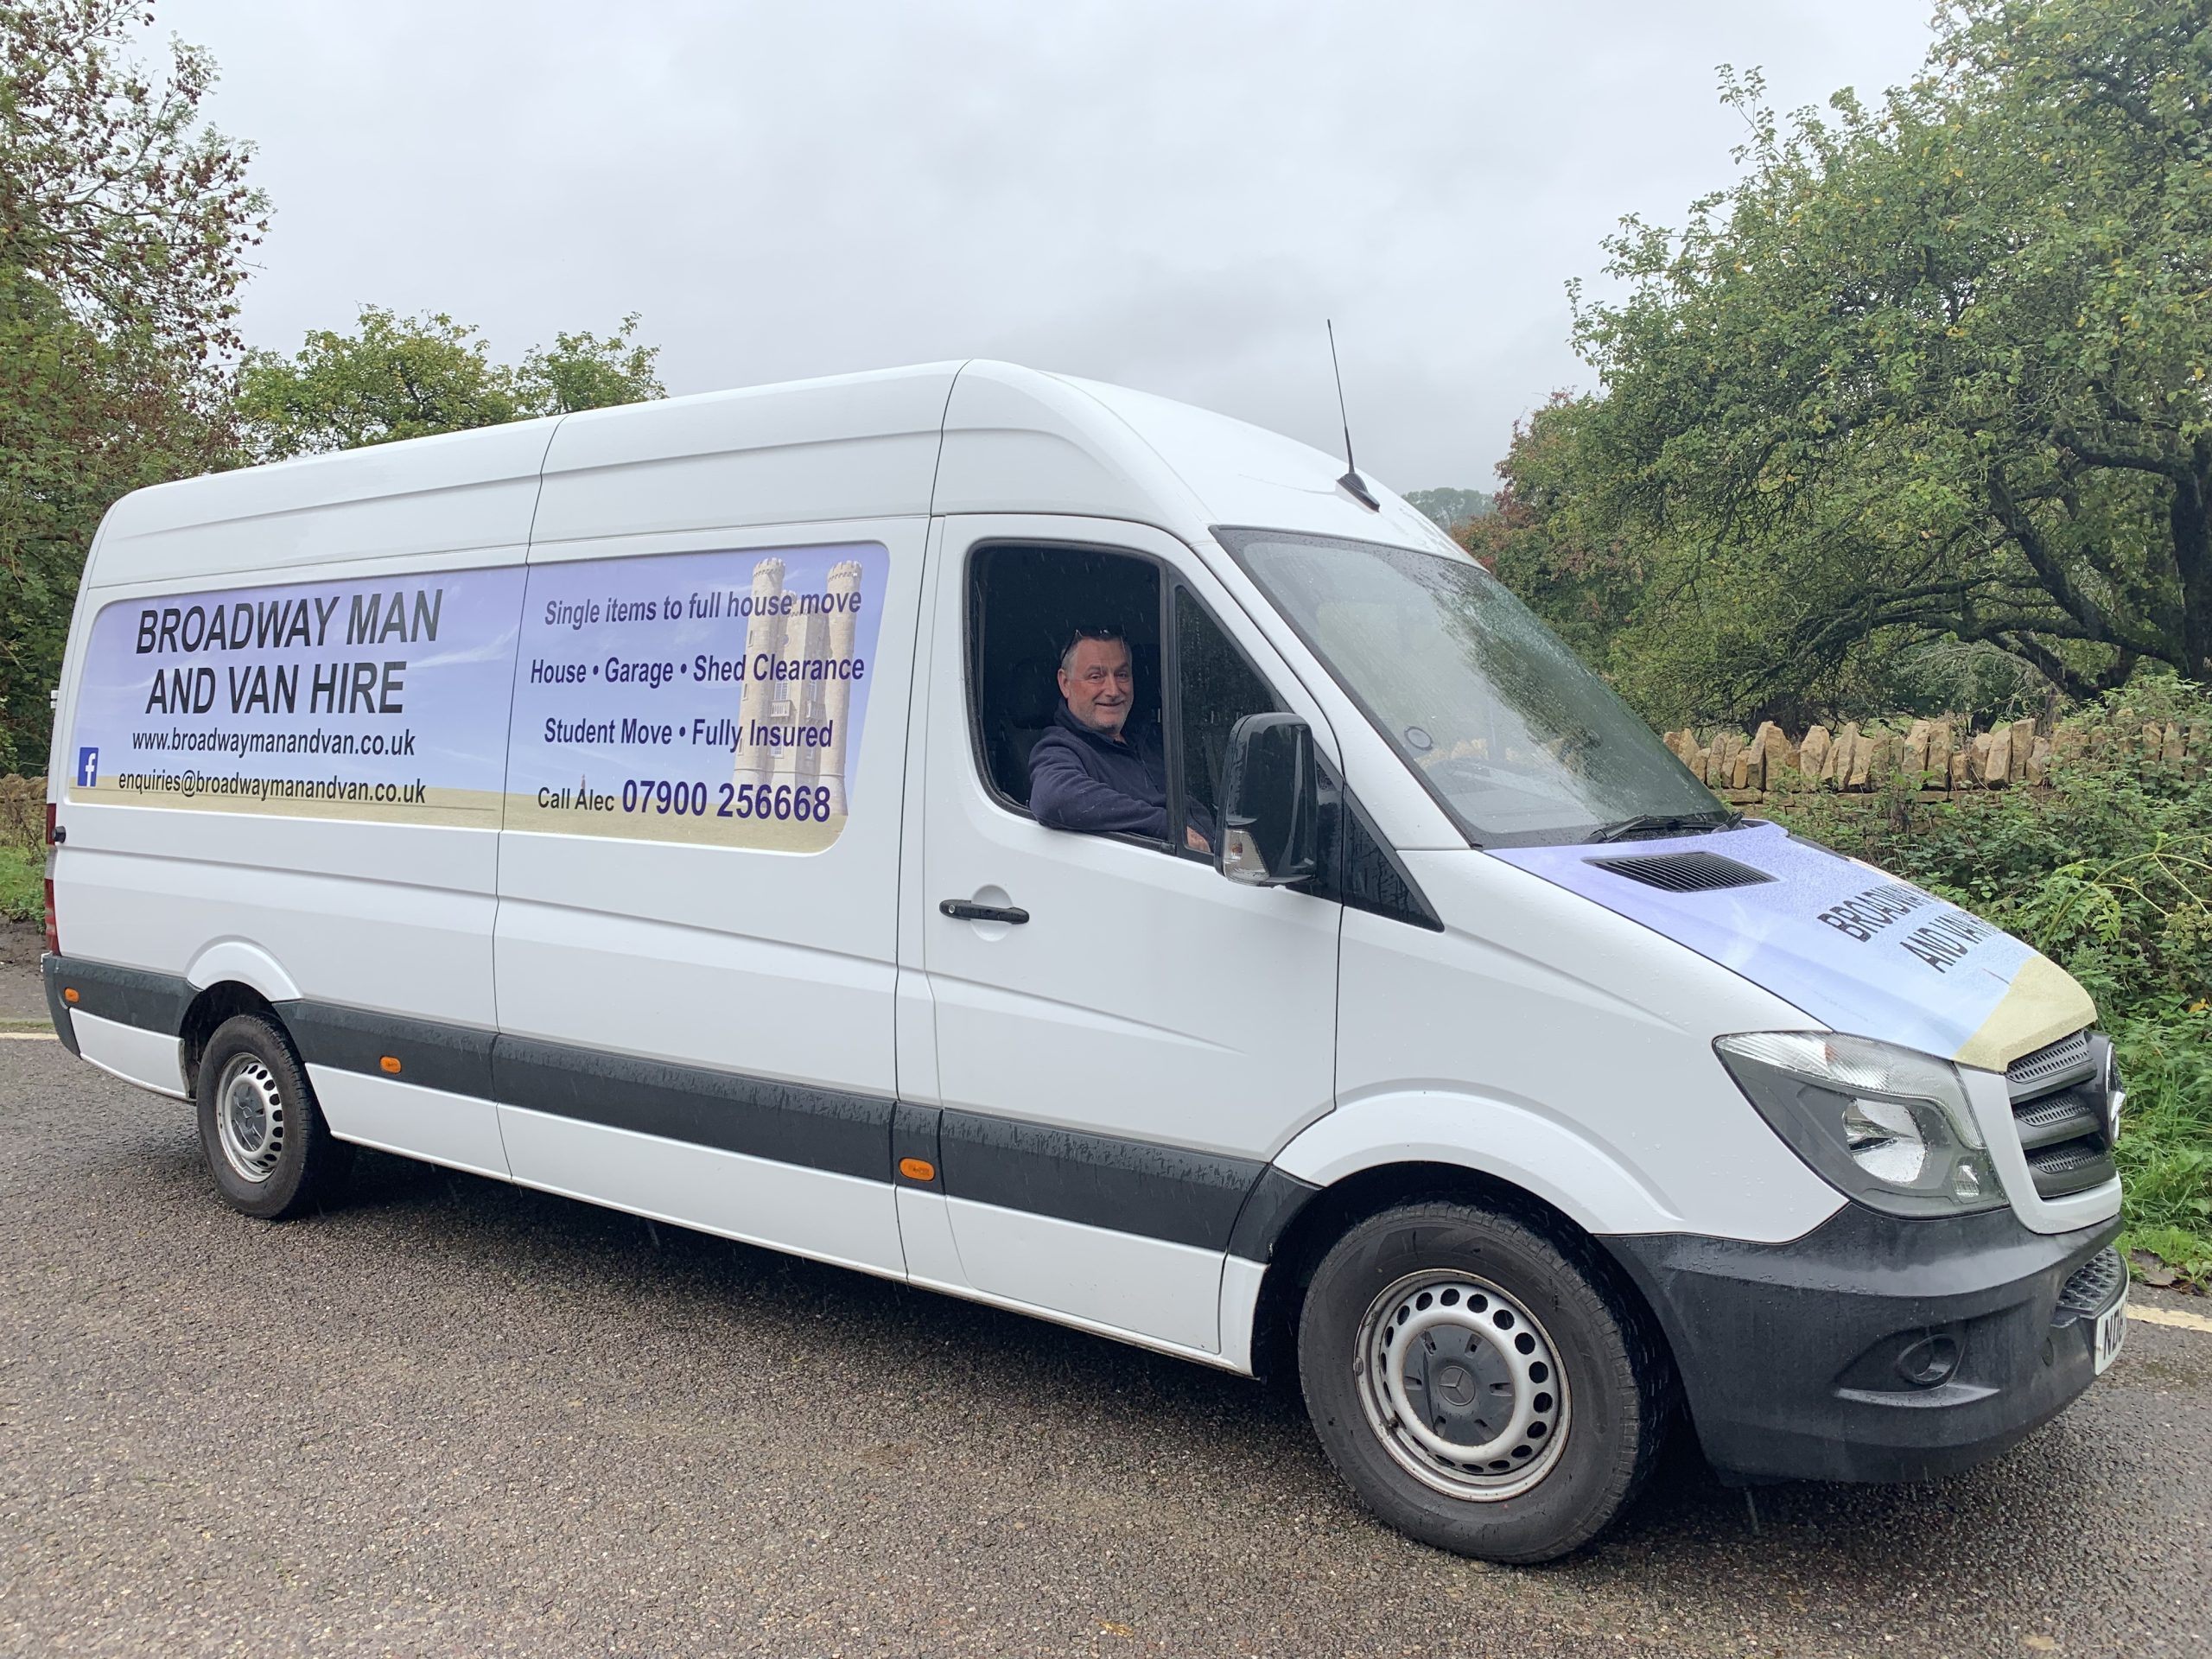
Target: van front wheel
{"points": [[1480, 1386], [266, 1144]]}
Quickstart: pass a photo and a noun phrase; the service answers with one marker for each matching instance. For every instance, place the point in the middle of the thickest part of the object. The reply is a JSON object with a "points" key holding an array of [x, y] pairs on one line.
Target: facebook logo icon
{"points": [[88, 768]]}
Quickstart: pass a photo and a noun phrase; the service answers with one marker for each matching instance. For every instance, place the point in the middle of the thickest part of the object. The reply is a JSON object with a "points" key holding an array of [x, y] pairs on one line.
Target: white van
{"points": [[633, 805]]}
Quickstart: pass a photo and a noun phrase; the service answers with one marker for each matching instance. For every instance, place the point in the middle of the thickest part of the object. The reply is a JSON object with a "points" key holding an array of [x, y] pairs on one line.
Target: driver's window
{"points": [[1028, 607]]}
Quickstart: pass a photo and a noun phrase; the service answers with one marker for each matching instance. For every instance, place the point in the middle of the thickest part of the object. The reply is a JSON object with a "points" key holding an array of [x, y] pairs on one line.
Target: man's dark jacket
{"points": [[1081, 780]]}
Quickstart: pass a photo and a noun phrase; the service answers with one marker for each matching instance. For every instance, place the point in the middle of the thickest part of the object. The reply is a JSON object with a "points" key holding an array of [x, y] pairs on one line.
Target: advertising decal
{"points": [[711, 697], [714, 698], [1856, 949], [382, 699]]}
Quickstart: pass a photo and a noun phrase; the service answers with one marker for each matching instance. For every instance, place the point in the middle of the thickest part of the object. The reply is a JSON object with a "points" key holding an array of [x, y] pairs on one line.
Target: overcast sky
{"points": [[1168, 195]]}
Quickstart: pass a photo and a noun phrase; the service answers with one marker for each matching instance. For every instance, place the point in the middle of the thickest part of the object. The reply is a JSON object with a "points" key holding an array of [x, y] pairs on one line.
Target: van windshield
{"points": [[1519, 742]]}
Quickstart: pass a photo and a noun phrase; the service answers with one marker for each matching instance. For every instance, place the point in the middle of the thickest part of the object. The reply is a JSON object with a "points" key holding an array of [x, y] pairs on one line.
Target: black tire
{"points": [[1429, 1305], [267, 1146]]}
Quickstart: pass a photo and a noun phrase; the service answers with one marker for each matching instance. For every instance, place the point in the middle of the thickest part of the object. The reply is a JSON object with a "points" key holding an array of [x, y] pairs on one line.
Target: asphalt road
{"points": [[453, 1417]]}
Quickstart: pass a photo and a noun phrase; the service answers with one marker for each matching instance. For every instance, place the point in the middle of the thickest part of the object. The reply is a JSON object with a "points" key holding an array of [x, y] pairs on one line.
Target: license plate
{"points": [[2112, 1332]]}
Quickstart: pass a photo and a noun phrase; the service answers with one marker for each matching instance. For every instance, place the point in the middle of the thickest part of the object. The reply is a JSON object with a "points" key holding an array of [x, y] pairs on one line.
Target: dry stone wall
{"points": [[1937, 759]]}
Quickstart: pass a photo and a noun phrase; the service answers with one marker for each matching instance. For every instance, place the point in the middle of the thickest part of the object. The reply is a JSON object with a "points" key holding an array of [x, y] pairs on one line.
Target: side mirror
{"points": [[1270, 803]]}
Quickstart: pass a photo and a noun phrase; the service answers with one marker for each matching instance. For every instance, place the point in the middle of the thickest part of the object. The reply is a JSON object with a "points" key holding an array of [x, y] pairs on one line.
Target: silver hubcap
{"points": [[250, 1119], [1462, 1385]]}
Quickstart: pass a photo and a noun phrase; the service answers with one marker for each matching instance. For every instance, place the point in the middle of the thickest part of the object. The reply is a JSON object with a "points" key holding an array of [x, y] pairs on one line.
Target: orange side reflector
{"points": [[390, 1063], [918, 1169], [69, 993]]}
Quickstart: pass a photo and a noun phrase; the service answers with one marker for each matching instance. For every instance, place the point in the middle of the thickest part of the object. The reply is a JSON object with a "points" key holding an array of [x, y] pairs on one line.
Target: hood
{"points": [[1854, 949]]}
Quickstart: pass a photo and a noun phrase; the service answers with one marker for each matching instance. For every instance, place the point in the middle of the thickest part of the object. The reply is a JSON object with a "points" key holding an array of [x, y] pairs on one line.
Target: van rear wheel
{"points": [[1482, 1386], [270, 1151]]}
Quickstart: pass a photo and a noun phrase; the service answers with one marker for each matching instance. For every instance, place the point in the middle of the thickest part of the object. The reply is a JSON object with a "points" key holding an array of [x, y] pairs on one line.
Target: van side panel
{"points": [[743, 963], [1586, 1074], [318, 902], [423, 500]]}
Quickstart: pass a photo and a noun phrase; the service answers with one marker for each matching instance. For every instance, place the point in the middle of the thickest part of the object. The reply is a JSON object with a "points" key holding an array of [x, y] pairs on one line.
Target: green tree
{"points": [[125, 222], [1931, 371], [408, 377], [586, 371]]}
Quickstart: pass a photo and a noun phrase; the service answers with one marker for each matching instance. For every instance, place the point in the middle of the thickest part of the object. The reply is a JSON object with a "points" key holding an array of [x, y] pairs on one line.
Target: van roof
{"points": [[977, 436]]}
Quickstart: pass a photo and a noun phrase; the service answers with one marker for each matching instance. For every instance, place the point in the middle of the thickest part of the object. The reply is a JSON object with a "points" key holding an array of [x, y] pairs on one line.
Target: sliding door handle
{"points": [[962, 911]]}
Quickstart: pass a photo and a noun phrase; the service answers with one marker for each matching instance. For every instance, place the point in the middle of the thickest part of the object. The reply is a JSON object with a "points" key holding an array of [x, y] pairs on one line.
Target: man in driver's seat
{"points": [[1089, 773]]}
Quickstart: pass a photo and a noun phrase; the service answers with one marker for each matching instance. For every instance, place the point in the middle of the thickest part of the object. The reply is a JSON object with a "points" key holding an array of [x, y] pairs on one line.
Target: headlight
{"points": [[1886, 1126]]}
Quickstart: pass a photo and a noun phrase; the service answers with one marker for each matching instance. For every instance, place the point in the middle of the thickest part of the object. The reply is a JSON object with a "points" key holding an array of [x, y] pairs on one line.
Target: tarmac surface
{"points": [[449, 1416]]}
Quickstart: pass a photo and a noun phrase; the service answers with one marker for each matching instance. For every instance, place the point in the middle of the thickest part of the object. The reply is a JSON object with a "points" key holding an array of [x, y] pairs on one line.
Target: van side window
{"points": [[1216, 687], [1025, 605]]}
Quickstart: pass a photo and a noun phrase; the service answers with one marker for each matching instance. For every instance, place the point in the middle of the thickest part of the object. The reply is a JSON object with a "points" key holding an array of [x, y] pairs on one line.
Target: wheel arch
{"points": [[1331, 1211], [205, 1014]]}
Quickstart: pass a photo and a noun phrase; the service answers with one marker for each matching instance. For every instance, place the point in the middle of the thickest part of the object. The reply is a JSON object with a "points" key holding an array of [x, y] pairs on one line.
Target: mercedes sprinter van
{"points": [[636, 805]]}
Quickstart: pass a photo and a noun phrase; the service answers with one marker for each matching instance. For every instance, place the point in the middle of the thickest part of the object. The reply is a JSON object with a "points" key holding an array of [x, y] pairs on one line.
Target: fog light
{"points": [[1929, 1363]]}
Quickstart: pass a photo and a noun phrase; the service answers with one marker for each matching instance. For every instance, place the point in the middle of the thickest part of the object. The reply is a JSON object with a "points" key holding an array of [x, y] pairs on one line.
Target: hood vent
{"points": [[1683, 872]]}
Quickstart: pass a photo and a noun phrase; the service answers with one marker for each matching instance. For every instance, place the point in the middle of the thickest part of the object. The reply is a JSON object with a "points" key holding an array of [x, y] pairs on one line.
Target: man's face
{"points": [[1099, 685]]}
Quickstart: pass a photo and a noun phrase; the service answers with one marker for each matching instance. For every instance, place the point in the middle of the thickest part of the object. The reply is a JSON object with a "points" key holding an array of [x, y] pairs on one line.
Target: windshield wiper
{"points": [[1665, 823]]}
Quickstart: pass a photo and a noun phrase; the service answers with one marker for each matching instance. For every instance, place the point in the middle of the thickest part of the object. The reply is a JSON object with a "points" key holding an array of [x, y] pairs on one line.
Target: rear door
{"points": [[1113, 1072]]}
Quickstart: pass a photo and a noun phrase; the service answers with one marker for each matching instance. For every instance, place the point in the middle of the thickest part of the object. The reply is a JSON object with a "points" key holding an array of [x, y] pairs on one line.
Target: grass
{"points": [[22, 890], [2165, 1143]]}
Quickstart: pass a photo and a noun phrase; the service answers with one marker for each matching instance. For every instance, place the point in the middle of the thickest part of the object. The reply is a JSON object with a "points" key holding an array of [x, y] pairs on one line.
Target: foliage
{"points": [[1933, 371], [587, 371], [2108, 871], [22, 848], [124, 227], [22, 886], [113, 195], [408, 377], [1451, 508]]}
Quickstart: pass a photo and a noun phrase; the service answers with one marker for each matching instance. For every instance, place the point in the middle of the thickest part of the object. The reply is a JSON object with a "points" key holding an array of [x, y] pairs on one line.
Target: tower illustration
{"points": [[794, 697], [764, 637], [838, 694]]}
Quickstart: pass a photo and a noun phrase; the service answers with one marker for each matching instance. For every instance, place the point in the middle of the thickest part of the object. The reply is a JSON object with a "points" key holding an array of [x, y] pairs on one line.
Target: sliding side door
{"points": [[694, 947]]}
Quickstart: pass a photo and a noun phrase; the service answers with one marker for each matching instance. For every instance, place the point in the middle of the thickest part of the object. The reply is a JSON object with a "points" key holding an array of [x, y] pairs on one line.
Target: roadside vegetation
{"points": [[22, 849], [2107, 872]]}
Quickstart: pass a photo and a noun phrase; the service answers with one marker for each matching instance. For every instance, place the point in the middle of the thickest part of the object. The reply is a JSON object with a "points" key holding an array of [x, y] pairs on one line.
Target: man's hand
{"points": [[1195, 841]]}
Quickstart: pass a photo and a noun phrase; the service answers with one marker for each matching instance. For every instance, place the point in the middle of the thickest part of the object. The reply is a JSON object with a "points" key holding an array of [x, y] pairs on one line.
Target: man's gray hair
{"points": [[1111, 636]]}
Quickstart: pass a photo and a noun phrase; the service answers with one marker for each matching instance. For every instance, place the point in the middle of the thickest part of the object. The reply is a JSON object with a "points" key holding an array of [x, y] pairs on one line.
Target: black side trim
{"points": [[913, 1134], [1270, 1208], [1207, 1200], [1131, 1187], [129, 997], [790, 1123], [56, 1009], [431, 1055]]}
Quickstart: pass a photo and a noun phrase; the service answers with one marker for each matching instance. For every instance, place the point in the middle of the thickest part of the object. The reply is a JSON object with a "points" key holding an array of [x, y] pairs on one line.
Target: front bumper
{"points": [[1875, 1348]]}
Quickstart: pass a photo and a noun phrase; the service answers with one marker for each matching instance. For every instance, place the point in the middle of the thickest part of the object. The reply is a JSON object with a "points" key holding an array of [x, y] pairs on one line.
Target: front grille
{"points": [[1683, 872], [2067, 1060], [2094, 1284], [2061, 1115], [2058, 1105], [2067, 1157]]}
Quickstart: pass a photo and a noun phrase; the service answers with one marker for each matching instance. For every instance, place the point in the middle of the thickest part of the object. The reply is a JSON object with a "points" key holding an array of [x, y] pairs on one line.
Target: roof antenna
{"points": [[1352, 483]]}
